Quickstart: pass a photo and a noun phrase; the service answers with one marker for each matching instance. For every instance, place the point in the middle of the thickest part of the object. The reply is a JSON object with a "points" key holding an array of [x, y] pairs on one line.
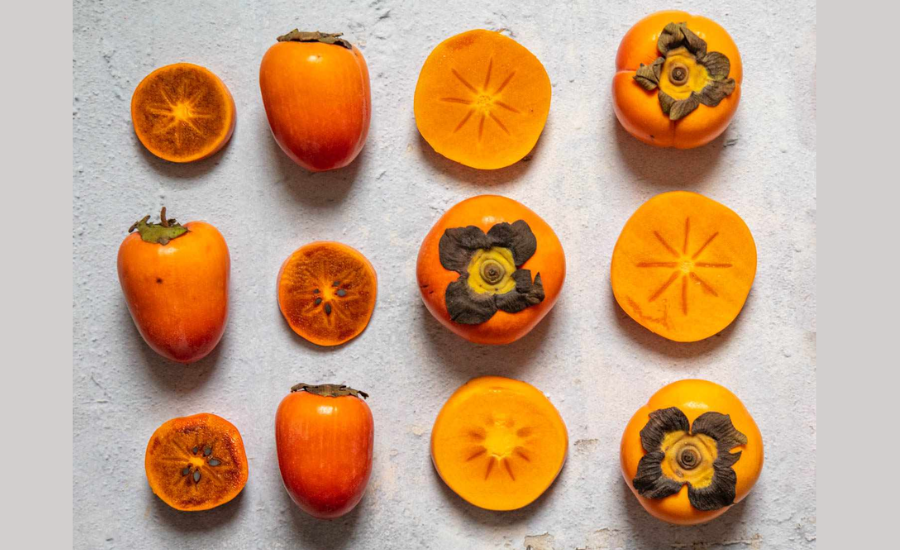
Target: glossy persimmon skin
{"points": [[177, 293], [318, 102], [638, 110], [325, 447], [484, 212]]}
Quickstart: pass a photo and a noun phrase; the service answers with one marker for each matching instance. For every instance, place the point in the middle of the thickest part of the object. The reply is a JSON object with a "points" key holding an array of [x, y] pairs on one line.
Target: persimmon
{"points": [[498, 443], [325, 437], [683, 266], [678, 80], [175, 280], [326, 292], [182, 112], [315, 89], [482, 99], [196, 462], [490, 269], [691, 452]]}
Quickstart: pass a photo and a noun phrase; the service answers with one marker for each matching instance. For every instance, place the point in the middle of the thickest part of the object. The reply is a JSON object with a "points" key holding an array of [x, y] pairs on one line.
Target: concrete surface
{"points": [[585, 178]]}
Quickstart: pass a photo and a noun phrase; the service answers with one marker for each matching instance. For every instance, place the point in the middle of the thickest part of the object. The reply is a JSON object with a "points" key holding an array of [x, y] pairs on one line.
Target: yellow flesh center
{"points": [[490, 271], [681, 74], [689, 458]]}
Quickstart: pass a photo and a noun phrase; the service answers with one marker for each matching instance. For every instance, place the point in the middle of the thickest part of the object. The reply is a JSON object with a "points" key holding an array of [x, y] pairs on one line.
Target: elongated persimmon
{"points": [[182, 112], [197, 462], [498, 443], [175, 281], [482, 99], [683, 266], [326, 292]]}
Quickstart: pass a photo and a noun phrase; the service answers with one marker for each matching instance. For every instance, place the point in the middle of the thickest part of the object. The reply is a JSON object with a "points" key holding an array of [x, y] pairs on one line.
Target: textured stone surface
{"points": [[585, 178]]}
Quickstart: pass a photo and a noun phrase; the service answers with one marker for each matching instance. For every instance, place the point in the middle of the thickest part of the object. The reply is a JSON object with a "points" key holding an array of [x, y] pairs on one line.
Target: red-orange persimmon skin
{"points": [[325, 446], [177, 293], [318, 102]]}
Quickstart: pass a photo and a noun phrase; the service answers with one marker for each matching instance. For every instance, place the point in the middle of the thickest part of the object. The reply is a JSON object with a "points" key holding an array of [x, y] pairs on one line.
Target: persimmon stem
{"points": [[162, 217]]}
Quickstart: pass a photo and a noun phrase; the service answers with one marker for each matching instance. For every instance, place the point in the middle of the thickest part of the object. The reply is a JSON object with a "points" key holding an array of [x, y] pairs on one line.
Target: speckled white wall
{"points": [[586, 177]]}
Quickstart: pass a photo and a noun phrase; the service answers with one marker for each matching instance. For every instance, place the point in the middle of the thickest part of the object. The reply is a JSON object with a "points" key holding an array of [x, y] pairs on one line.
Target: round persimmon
{"points": [[498, 443], [490, 269], [325, 437], [678, 80], [182, 113], [196, 462], [482, 99], [683, 266], [175, 281], [691, 452], [315, 89], [326, 292]]}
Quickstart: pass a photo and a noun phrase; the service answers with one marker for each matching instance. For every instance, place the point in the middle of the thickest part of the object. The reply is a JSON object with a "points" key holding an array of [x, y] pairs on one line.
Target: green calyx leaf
{"points": [[648, 75], [323, 37], [329, 390], [158, 233]]}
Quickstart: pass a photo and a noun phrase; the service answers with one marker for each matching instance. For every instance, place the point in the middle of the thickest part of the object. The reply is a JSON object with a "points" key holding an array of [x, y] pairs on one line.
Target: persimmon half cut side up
{"points": [[498, 443], [196, 462], [482, 99], [182, 113], [683, 266], [327, 292]]}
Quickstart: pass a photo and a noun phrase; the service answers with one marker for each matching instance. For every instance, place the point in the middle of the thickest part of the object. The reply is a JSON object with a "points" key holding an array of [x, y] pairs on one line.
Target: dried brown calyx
{"points": [[329, 390], [686, 74], [490, 278], [158, 233], [316, 36], [697, 455]]}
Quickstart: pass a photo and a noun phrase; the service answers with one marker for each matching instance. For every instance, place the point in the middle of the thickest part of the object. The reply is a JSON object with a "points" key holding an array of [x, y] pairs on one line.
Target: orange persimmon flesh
{"points": [[182, 112], [326, 292], [196, 462], [498, 443], [482, 99], [683, 266]]}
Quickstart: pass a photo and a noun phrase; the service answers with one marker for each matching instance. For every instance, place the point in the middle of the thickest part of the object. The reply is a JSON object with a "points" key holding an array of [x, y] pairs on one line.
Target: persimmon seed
{"points": [[336, 283], [195, 449], [207, 450], [327, 309], [316, 291], [186, 471], [214, 462], [318, 301], [197, 476], [341, 292]]}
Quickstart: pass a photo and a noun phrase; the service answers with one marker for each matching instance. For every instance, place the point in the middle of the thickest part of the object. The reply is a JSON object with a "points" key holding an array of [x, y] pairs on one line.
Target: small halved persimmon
{"points": [[498, 443], [683, 266], [326, 292], [196, 462], [482, 99], [182, 112]]}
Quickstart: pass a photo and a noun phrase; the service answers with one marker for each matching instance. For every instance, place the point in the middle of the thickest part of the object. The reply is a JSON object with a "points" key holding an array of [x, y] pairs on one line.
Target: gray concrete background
{"points": [[585, 178]]}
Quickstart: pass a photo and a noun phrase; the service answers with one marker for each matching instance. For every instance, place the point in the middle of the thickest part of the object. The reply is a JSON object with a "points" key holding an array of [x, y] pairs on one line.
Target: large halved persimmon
{"points": [[499, 443], [683, 266], [196, 462], [482, 99], [182, 112], [326, 292]]}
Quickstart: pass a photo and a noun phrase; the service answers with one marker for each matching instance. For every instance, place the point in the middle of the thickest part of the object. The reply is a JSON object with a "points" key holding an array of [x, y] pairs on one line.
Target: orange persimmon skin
{"points": [[693, 397], [638, 109], [325, 447], [318, 102], [485, 211], [177, 293], [163, 93]]}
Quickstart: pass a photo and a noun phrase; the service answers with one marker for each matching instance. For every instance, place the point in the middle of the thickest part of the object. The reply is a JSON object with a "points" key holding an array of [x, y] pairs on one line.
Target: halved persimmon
{"points": [[182, 112], [499, 443], [683, 266], [196, 462], [482, 99], [326, 292]]}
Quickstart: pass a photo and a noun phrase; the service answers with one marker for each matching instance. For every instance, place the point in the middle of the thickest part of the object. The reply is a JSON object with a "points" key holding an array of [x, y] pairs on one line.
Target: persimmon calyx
{"points": [[686, 74], [697, 455], [158, 233], [329, 390], [297, 35], [489, 265]]}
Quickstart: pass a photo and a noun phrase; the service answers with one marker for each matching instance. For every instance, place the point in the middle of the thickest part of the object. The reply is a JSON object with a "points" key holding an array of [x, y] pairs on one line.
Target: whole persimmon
{"points": [[691, 452], [490, 269], [315, 89], [175, 280], [325, 437], [678, 80]]}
